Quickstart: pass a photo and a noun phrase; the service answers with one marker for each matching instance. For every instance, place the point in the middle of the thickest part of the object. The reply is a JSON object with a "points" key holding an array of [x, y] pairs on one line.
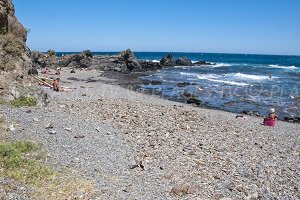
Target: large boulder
{"points": [[72, 58], [87, 54], [51, 53], [38, 59], [168, 60], [130, 60], [150, 65], [108, 63], [184, 61], [81, 60]]}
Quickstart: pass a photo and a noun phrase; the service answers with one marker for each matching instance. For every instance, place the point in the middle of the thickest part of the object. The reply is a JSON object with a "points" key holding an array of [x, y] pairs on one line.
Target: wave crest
{"points": [[250, 76], [282, 67], [211, 77]]}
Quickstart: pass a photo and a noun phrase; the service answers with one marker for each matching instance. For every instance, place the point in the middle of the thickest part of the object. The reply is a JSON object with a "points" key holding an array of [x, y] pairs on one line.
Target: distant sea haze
{"points": [[235, 82]]}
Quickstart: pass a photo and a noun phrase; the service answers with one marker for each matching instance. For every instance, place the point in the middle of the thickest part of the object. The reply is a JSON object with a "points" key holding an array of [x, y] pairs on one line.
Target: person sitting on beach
{"points": [[271, 119], [55, 85], [46, 71]]}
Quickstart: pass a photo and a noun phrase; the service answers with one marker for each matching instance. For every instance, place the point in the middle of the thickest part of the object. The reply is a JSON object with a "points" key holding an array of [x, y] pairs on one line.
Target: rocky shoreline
{"points": [[127, 70], [137, 146], [122, 144]]}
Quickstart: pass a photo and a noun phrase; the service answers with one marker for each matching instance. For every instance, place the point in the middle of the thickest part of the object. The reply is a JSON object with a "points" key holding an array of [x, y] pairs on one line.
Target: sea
{"points": [[234, 82]]}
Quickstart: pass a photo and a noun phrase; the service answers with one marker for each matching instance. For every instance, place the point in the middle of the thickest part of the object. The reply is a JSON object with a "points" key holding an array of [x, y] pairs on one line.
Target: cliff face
{"points": [[14, 55]]}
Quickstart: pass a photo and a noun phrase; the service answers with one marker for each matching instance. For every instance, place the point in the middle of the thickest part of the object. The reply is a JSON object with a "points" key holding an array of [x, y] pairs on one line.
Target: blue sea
{"points": [[235, 82]]}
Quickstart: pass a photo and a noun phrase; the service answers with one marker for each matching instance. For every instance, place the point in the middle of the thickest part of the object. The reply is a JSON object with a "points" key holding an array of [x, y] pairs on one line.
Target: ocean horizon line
{"points": [[178, 52]]}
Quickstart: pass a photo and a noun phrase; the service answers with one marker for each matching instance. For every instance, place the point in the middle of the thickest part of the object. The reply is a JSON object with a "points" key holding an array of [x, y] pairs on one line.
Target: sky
{"points": [[216, 26]]}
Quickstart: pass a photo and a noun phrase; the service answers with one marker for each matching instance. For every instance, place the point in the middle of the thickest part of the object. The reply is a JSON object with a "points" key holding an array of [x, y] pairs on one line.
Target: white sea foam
{"points": [[221, 65], [282, 67], [253, 77], [156, 61], [194, 61], [210, 77], [187, 74]]}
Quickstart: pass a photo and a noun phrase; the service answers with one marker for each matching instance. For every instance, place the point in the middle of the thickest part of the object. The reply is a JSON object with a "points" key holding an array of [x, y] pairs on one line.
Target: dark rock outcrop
{"points": [[33, 71], [168, 60], [130, 60], [184, 61], [38, 59], [251, 113], [191, 98], [87, 54], [292, 119], [81, 60], [202, 62], [150, 65], [14, 55], [51, 53], [72, 60]]}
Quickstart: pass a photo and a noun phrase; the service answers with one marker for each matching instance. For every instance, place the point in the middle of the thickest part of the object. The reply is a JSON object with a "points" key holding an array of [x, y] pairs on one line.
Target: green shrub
{"points": [[3, 102], [14, 162], [24, 101]]}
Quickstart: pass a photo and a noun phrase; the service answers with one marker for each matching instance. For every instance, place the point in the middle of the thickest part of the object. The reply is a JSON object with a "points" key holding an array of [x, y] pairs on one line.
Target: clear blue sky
{"points": [[229, 26]]}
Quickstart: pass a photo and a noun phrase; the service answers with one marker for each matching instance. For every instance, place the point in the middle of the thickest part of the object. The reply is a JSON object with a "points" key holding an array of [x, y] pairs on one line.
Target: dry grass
{"points": [[3, 131], [22, 162], [61, 188]]}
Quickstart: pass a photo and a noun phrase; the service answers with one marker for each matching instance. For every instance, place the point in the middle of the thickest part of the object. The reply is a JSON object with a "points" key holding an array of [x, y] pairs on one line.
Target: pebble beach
{"points": [[137, 146]]}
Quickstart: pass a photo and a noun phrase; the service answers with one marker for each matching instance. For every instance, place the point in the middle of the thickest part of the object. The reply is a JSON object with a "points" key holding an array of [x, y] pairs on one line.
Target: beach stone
{"points": [[98, 130], [12, 128], [79, 136], [76, 160], [193, 100], [68, 129], [36, 120], [253, 196], [118, 69], [52, 131], [180, 189], [33, 71], [49, 126], [193, 190]]}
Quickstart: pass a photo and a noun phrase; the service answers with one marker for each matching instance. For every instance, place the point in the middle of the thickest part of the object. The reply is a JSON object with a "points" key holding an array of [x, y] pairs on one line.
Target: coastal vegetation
{"points": [[22, 101], [19, 162], [22, 161]]}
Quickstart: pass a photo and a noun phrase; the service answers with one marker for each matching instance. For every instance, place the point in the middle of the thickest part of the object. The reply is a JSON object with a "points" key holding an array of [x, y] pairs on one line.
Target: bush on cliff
{"points": [[16, 28], [12, 45]]}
